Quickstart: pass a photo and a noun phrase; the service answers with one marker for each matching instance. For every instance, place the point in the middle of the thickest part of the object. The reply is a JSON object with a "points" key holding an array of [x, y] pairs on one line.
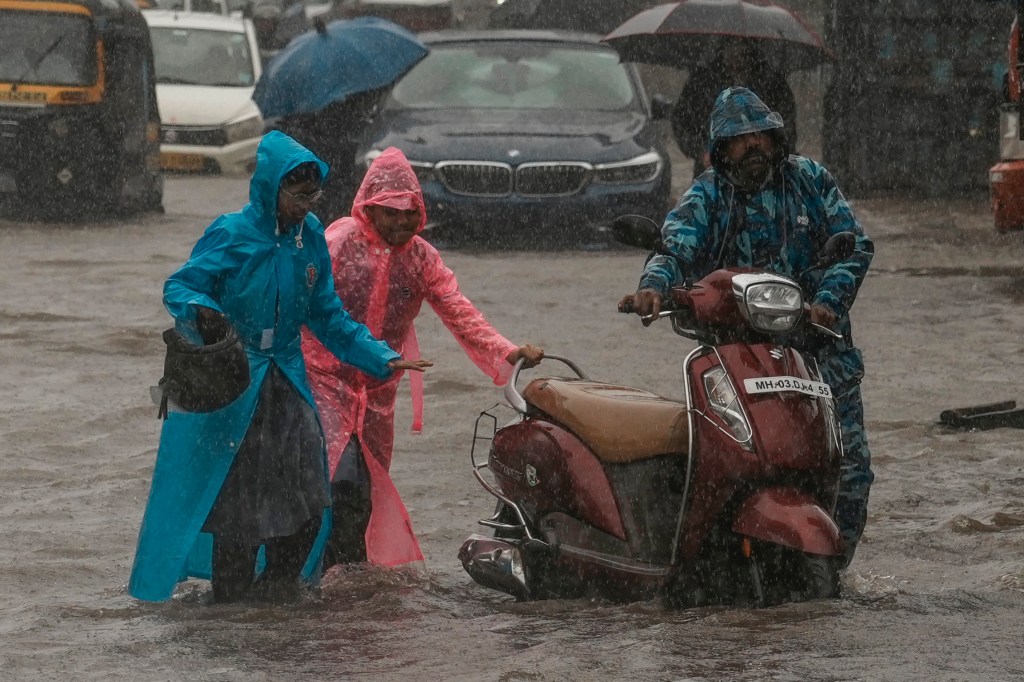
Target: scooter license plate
{"points": [[815, 389]]}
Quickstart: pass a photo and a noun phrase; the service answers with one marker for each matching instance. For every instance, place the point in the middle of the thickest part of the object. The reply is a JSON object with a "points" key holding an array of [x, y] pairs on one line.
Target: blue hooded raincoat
{"points": [[780, 227], [269, 286]]}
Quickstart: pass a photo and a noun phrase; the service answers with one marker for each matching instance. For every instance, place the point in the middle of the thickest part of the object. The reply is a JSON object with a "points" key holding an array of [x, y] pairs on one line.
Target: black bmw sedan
{"points": [[517, 135]]}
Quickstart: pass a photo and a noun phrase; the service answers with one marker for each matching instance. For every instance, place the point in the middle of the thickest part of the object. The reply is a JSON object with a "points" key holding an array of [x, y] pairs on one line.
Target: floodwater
{"points": [[935, 593]]}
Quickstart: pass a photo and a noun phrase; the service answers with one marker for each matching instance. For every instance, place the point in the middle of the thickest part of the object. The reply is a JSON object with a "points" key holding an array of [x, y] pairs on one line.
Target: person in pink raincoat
{"points": [[384, 271]]}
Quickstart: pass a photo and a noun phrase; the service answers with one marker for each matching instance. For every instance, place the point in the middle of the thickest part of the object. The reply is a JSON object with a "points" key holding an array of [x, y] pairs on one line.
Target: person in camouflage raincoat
{"points": [[761, 207]]}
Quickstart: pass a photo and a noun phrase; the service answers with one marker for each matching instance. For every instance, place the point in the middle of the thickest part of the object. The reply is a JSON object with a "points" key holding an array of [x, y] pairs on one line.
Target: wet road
{"points": [[936, 592]]}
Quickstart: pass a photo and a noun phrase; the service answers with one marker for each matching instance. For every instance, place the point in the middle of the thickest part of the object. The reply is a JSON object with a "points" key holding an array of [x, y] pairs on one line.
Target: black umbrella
{"points": [[683, 34], [587, 16]]}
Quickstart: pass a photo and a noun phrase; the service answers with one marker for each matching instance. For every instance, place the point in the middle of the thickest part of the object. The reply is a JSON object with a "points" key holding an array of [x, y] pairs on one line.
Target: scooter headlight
{"points": [[770, 303], [726, 404]]}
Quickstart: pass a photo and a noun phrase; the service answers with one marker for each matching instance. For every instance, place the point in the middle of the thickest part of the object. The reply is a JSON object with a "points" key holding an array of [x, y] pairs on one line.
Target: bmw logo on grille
{"points": [[513, 153]]}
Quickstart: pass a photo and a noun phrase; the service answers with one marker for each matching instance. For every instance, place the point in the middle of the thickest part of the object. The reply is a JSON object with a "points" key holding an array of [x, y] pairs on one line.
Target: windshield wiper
{"points": [[35, 65]]}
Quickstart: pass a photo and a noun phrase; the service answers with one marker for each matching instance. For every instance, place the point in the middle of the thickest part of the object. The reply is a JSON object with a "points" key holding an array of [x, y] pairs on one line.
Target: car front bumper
{"points": [[572, 216], [236, 158]]}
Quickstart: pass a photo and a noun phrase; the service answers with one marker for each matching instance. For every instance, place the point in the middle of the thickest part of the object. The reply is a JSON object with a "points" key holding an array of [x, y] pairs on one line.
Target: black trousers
{"points": [[350, 515], [350, 508], [234, 563]]}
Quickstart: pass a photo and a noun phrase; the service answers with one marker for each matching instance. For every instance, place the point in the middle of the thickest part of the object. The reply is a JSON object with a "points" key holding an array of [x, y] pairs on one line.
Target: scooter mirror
{"points": [[839, 247], [637, 230]]}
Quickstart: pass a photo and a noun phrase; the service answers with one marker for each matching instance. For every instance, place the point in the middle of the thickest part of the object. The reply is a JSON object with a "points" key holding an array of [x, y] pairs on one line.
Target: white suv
{"points": [[206, 68]]}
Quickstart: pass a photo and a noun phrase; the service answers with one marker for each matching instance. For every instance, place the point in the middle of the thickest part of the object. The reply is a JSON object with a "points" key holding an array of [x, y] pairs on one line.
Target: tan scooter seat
{"points": [[619, 423]]}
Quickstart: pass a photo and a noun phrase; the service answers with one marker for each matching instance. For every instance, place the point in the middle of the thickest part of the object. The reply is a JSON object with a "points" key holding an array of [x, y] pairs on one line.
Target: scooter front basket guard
{"points": [[488, 420]]}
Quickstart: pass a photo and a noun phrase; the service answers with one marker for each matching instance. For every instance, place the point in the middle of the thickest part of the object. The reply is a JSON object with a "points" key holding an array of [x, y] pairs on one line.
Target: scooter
{"points": [[724, 497]]}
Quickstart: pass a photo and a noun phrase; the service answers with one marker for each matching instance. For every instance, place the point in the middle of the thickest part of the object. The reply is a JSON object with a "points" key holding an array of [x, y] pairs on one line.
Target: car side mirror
{"points": [[661, 108]]}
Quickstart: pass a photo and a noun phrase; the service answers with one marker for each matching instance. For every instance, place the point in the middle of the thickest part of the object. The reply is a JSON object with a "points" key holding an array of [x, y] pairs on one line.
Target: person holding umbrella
{"points": [[723, 43], [323, 89], [738, 62], [384, 271], [334, 133], [758, 206], [251, 475]]}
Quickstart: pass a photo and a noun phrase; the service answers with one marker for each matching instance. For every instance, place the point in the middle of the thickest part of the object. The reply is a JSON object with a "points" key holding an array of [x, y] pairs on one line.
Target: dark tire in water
{"points": [[820, 577], [779, 575]]}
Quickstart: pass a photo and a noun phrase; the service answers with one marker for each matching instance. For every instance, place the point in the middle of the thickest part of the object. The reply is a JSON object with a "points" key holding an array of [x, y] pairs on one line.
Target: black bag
{"points": [[203, 378]]}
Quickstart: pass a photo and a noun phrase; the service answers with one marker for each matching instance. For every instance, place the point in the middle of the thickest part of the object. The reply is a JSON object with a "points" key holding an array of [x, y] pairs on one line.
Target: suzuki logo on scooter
{"points": [[776, 353], [531, 475]]}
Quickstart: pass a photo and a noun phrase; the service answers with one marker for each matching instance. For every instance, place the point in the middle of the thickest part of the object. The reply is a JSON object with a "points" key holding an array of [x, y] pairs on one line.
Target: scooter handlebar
{"points": [[663, 313], [626, 305]]}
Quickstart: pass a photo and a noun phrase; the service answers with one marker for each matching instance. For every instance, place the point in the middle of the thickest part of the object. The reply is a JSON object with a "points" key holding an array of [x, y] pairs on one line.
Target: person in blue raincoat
{"points": [[253, 474], [761, 207]]}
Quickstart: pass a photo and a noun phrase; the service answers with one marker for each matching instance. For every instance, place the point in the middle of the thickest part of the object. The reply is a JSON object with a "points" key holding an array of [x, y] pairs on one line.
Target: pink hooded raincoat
{"points": [[384, 287]]}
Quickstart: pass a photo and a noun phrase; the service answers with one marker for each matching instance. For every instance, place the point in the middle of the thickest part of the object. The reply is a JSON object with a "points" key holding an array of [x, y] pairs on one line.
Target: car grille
{"points": [[476, 178], [483, 178], [190, 135], [551, 179]]}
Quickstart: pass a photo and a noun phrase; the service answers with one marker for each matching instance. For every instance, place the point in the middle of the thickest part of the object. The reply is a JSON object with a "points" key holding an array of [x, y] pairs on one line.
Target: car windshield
{"points": [[516, 76], [46, 48], [202, 57]]}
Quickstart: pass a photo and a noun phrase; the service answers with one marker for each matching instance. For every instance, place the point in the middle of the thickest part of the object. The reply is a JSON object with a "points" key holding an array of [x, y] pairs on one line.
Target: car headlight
{"points": [[643, 168], [244, 128], [769, 303], [725, 403]]}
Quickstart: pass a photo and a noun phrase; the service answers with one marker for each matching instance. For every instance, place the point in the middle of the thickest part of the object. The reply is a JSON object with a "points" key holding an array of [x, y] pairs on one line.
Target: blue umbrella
{"points": [[336, 60]]}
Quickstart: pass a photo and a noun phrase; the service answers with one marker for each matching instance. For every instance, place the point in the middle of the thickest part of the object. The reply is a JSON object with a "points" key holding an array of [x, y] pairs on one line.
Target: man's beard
{"points": [[752, 171]]}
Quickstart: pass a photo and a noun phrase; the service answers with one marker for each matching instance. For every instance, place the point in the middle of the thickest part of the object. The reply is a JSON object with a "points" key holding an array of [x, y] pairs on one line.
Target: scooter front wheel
{"points": [[820, 577], [779, 575]]}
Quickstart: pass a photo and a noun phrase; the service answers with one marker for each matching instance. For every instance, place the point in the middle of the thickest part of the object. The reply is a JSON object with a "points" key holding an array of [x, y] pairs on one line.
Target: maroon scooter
{"points": [[723, 497]]}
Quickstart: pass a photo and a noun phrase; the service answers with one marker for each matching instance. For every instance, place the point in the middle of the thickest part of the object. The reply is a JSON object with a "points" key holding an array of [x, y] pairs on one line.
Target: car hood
{"points": [[436, 135], [200, 105]]}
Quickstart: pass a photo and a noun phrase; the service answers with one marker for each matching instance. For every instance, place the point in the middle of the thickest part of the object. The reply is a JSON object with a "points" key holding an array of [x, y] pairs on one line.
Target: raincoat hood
{"points": [[389, 181], [276, 156], [739, 111]]}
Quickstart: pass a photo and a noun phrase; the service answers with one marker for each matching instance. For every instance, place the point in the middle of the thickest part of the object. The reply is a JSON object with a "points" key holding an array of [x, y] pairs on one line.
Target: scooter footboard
{"points": [[789, 517]]}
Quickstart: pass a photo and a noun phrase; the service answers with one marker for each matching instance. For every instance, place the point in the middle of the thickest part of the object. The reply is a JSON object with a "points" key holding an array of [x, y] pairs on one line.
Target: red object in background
{"points": [[1006, 178], [1006, 181]]}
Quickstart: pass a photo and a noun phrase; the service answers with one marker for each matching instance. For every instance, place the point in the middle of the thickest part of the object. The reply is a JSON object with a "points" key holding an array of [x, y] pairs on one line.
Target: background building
{"points": [[912, 102]]}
